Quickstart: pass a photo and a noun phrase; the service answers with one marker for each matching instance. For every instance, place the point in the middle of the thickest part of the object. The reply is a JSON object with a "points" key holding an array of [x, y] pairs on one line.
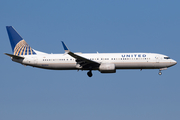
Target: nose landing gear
{"points": [[89, 73], [160, 73]]}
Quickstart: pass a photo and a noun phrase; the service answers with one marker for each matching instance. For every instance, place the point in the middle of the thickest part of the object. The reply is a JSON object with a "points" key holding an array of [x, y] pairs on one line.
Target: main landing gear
{"points": [[89, 73]]}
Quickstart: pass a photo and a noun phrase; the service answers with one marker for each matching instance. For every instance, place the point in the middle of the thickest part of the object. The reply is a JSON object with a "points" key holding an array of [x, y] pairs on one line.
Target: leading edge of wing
{"points": [[77, 57]]}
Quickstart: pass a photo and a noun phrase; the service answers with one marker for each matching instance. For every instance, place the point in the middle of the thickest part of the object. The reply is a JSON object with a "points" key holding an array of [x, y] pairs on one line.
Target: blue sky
{"points": [[28, 93]]}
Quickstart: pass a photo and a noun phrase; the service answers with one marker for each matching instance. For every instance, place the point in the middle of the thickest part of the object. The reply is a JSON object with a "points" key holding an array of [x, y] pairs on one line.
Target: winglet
{"points": [[65, 47]]}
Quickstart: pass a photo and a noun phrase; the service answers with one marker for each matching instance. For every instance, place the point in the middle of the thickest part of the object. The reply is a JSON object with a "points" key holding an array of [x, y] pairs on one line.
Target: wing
{"points": [[82, 61]]}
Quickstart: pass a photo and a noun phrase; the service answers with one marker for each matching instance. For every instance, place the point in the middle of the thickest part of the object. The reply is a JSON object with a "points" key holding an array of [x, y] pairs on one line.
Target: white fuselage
{"points": [[104, 62], [120, 60]]}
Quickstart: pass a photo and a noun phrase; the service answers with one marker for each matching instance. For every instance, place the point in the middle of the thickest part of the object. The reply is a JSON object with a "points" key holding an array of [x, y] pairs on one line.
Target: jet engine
{"points": [[107, 68]]}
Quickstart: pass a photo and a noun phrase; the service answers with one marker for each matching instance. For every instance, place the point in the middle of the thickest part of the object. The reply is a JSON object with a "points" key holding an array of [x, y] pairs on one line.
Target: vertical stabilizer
{"points": [[18, 44]]}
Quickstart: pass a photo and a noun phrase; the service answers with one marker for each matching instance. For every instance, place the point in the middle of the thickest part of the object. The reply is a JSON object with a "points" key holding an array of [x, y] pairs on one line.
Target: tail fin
{"points": [[18, 44]]}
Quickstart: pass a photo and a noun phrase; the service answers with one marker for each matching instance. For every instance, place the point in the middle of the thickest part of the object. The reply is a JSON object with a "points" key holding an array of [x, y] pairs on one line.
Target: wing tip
{"points": [[65, 47]]}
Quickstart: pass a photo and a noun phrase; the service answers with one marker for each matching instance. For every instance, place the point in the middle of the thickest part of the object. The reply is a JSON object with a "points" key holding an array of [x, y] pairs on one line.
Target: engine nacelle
{"points": [[107, 68]]}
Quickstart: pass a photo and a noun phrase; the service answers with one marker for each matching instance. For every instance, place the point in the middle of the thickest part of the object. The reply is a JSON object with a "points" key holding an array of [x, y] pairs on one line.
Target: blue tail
{"points": [[18, 44]]}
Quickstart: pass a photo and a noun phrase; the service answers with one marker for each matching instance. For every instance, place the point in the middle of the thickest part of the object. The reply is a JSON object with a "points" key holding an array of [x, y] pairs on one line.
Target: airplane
{"points": [[103, 62]]}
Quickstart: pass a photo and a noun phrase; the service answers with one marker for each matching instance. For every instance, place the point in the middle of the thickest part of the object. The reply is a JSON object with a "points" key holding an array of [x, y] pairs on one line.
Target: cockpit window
{"points": [[166, 57]]}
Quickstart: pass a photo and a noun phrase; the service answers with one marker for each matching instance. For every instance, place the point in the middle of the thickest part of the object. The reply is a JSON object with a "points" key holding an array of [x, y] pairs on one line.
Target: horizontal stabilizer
{"points": [[14, 56]]}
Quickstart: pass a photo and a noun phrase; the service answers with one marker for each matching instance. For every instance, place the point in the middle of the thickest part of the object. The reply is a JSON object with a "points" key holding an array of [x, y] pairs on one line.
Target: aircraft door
{"points": [[35, 60], [157, 59]]}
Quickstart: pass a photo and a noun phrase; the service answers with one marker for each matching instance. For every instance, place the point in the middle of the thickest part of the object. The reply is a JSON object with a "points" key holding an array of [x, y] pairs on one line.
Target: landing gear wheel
{"points": [[89, 73], [160, 73]]}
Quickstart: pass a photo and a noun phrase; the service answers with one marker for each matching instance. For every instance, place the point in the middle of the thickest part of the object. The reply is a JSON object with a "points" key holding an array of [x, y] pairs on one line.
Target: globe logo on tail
{"points": [[22, 48]]}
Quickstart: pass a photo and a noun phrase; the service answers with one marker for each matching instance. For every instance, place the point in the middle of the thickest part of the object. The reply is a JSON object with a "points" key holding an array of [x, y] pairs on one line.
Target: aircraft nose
{"points": [[173, 62]]}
